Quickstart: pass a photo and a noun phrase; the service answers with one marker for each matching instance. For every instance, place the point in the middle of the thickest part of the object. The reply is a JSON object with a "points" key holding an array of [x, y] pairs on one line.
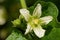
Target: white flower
{"points": [[34, 21]]}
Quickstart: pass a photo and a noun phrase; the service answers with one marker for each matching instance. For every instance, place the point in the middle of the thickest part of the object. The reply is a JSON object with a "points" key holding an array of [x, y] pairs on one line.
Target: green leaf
{"points": [[53, 35], [16, 35]]}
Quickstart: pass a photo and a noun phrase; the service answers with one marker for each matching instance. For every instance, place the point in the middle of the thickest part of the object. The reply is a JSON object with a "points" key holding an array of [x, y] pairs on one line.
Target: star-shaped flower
{"points": [[34, 22]]}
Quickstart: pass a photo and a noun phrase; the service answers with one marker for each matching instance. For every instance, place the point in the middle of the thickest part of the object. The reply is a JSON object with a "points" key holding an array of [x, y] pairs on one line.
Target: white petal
{"points": [[25, 13], [39, 31], [37, 10], [28, 29], [46, 20]]}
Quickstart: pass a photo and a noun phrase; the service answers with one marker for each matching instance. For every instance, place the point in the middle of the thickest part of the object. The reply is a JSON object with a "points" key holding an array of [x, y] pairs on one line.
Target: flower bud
{"points": [[16, 22]]}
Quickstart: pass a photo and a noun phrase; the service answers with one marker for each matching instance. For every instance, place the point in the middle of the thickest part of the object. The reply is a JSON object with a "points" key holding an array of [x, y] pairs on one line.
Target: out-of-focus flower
{"points": [[3, 15]]}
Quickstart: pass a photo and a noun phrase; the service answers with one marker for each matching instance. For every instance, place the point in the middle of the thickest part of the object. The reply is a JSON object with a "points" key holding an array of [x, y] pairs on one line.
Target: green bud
{"points": [[16, 22]]}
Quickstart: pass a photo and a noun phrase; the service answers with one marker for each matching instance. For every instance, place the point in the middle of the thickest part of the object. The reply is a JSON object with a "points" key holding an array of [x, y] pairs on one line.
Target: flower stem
{"points": [[23, 3]]}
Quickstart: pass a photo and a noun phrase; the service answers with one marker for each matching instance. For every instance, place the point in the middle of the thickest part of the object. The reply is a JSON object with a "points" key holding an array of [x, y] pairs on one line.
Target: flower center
{"points": [[35, 21]]}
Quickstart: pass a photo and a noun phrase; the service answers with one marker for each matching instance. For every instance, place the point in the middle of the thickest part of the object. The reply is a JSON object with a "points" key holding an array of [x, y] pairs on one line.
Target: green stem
{"points": [[23, 3]]}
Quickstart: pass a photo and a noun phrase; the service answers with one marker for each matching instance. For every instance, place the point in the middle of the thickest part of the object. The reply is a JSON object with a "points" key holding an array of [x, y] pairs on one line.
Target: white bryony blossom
{"points": [[34, 21]]}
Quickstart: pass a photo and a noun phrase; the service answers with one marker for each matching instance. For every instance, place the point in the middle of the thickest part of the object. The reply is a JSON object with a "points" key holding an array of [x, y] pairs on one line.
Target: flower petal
{"points": [[46, 20], [28, 29], [37, 11], [39, 31], [25, 13]]}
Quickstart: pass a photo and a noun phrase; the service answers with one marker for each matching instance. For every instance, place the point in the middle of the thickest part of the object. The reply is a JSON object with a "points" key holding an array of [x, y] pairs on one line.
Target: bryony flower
{"points": [[34, 21]]}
